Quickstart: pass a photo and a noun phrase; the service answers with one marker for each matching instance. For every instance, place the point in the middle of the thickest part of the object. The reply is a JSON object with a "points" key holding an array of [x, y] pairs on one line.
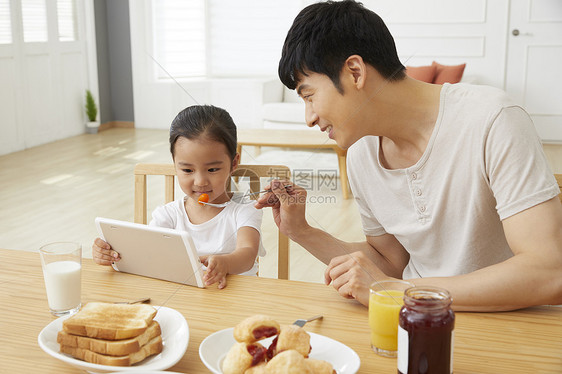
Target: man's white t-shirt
{"points": [[484, 163], [217, 235]]}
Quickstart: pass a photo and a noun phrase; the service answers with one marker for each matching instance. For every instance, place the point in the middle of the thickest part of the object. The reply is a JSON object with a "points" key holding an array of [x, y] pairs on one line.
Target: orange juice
{"points": [[384, 306]]}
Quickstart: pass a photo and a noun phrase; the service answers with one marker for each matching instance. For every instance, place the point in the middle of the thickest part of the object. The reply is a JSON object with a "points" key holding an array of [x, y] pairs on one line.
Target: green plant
{"points": [[91, 107]]}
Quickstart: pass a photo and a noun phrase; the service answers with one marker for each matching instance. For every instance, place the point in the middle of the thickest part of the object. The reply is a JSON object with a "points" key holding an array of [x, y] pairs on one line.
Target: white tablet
{"points": [[153, 251]]}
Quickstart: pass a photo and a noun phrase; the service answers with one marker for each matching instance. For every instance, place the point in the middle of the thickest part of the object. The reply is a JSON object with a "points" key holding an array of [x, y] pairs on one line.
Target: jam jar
{"points": [[425, 332]]}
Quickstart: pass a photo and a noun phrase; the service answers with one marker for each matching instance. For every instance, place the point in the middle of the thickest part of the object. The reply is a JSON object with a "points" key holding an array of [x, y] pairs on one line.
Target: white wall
{"points": [[450, 32]]}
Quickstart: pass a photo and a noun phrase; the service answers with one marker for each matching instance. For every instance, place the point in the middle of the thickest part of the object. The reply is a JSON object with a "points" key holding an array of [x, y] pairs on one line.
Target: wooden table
{"points": [[295, 139], [526, 341]]}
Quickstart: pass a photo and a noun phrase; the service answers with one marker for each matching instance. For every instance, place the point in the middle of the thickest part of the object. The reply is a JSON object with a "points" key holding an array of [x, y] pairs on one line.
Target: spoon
{"points": [[222, 205], [302, 322], [139, 301], [237, 199]]}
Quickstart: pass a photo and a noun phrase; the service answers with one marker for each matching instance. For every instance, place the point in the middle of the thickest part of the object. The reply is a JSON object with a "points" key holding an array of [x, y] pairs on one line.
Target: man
{"points": [[451, 181]]}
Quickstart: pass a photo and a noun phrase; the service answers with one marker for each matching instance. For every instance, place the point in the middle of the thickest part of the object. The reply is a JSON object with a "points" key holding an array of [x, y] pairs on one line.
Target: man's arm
{"points": [[533, 276], [384, 251], [289, 214]]}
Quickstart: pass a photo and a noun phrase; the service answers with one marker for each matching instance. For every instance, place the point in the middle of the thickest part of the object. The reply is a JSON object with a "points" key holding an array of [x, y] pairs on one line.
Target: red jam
{"points": [[257, 352], [425, 334], [272, 350], [264, 332]]}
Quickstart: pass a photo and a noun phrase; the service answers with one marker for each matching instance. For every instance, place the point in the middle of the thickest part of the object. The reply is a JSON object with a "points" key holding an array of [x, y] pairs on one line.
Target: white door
{"points": [[43, 71], [534, 60]]}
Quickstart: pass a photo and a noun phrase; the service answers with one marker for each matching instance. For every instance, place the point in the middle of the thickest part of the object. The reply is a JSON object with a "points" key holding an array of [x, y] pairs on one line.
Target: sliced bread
{"points": [[110, 347], [110, 321], [153, 347]]}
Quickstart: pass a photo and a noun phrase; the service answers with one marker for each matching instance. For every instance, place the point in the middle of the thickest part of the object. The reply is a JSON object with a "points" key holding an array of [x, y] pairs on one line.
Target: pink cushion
{"points": [[448, 73], [422, 73]]}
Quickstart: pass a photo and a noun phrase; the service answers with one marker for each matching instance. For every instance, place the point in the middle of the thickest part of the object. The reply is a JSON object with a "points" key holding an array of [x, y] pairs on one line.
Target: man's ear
{"points": [[356, 69]]}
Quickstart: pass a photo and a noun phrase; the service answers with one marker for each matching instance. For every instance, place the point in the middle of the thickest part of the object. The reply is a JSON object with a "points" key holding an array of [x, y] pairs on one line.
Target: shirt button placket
{"points": [[419, 201]]}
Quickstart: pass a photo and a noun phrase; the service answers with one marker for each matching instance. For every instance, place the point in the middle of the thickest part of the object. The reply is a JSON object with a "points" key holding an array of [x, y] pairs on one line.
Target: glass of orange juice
{"points": [[385, 300]]}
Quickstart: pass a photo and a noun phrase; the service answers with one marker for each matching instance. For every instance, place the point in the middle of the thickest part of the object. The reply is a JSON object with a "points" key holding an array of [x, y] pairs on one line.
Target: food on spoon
{"points": [[255, 328], [242, 356], [203, 198]]}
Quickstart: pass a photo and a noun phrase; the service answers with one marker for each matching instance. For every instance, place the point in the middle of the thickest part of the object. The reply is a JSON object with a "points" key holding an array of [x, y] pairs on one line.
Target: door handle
{"points": [[516, 32]]}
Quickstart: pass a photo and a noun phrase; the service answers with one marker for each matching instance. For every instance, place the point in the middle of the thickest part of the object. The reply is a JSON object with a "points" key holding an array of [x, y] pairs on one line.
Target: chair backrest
{"points": [[559, 180], [253, 172]]}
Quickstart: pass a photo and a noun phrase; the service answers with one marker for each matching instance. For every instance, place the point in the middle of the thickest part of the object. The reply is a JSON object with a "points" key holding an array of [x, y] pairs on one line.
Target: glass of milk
{"points": [[62, 263]]}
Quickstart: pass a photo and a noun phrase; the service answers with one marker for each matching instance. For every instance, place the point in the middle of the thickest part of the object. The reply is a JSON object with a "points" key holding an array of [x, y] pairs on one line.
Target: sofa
{"points": [[282, 108]]}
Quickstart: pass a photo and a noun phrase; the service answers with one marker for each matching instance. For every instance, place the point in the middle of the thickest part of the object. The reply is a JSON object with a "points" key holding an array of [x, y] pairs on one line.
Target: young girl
{"points": [[203, 146]]}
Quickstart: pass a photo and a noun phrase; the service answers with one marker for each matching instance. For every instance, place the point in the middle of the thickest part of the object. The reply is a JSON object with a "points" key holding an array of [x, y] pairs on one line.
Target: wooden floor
{"points": [[53, 192]]}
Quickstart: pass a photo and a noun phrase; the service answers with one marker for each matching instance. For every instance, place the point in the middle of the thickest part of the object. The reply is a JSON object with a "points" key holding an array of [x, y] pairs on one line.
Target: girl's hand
{"points": [[217, 269], [103, 254]]}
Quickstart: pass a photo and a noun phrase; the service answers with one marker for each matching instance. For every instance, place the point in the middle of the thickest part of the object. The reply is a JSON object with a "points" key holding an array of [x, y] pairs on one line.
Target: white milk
{"points": [[62, 281]]}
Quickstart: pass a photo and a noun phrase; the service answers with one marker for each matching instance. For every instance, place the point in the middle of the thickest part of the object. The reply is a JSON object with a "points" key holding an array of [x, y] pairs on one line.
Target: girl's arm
{"points": [[240, 260]]}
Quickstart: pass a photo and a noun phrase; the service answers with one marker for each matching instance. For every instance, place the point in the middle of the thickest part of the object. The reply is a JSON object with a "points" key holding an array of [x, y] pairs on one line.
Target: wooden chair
{"points": [[559, 180], [254, 172]]}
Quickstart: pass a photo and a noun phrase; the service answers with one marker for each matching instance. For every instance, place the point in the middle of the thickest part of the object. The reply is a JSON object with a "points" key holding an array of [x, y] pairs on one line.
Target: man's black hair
{"points": [[325, 34]]}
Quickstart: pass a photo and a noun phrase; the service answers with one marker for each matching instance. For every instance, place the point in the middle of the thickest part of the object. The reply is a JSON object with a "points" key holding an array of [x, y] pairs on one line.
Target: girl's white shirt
{"points": [[217, 235]]}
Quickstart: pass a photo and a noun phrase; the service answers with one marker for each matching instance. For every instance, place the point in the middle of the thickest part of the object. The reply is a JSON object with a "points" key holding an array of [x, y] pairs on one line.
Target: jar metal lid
{"points": [[427, 297]]}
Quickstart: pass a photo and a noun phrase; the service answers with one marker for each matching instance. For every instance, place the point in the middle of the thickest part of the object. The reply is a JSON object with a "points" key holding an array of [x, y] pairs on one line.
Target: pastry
{"points": [[258, 369], [255, 328], [288, 362], [242, 356], [290, 337], [319, 366]]}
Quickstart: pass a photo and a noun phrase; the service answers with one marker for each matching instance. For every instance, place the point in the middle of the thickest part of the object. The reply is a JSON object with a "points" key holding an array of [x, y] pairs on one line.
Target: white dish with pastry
{"points": [[253, 346], [105, 338]]}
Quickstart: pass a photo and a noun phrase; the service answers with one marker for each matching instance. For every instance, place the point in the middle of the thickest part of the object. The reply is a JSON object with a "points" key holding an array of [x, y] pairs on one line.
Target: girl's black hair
{"points": [[204, 120], [325, 34]]}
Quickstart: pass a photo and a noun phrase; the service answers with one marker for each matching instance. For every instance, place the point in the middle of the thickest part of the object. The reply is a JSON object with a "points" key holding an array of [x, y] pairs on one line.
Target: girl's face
{"points": [[203, 166]]}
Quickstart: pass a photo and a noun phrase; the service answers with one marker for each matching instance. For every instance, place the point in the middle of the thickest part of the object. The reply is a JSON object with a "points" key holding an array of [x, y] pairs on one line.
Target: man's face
{"points": [[331, 110]]}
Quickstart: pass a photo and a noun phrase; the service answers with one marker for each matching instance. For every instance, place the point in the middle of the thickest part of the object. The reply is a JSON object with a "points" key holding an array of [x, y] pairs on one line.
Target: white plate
{"points": [[344, 359], [175, 336]]}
